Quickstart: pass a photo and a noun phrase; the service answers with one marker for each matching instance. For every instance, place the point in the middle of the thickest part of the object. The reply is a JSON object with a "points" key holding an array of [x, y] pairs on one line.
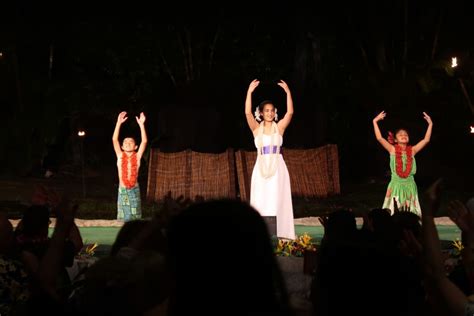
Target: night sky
{"points": [[76, 67]]}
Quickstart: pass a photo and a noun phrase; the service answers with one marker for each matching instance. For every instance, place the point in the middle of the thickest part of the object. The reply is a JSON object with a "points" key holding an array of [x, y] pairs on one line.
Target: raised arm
{"points": [[464, 219], [378, 135], [422, 143], [248, 106], [450, 300], [285, 121], [144, 138], [122, 117]]}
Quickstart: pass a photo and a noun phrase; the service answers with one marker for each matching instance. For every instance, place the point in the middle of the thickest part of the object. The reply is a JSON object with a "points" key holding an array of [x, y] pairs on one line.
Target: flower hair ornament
{"points": [[258, 118], [257, 114]]}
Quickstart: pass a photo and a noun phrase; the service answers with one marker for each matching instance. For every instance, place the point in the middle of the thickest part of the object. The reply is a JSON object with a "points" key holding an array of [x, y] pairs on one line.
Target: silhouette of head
{"points": [[223, 261]]}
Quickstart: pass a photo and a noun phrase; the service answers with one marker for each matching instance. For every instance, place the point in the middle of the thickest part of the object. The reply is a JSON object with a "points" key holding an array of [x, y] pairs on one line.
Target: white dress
{"points": [[271, 196]]}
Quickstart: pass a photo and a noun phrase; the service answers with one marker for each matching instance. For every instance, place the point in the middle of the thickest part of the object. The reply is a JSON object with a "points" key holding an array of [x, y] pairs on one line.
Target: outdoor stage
{"points": [[314, 175]]}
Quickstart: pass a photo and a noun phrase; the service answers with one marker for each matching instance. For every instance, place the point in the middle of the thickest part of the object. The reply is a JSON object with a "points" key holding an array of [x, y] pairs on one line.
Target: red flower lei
{"points": [[129, 179], [399, 161]]}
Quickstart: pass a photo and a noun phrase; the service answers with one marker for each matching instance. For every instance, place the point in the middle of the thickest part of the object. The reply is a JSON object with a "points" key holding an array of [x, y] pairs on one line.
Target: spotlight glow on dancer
{"points": [[270, 192]]}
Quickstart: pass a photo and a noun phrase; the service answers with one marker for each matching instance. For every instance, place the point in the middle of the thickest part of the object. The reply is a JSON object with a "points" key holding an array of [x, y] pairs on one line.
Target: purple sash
{"points": [[266, 150]]}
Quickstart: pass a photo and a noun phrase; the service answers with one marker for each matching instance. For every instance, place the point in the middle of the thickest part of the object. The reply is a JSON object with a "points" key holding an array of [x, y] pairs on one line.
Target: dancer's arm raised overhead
{"points": [[122, 117], [253, 124], [378, 135], [144, 138], [422, 143], [285, 121]]}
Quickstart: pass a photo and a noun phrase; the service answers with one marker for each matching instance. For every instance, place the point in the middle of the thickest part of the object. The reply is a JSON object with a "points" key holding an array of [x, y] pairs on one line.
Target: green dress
{"points": [[402, 189]]}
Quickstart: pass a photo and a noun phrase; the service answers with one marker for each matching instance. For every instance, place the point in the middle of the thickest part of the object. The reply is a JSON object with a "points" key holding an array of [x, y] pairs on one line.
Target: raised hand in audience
{"points": [[464, 219], [461, 216], [445, 295], [397, 208], [173, 206]]}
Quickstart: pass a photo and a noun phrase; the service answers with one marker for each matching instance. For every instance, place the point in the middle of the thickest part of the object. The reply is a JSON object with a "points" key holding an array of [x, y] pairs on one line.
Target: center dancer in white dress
{"points": [[270, 191]]}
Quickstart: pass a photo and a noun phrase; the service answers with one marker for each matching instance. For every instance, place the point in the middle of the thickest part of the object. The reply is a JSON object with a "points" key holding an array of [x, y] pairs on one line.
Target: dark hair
{"points": [[126, 234], [131, 137], [401, 129], [154, 241], [226, 259], [35, 219], [407, 221], [383, 226], [341, 224], [392, 136], [263, 103]]}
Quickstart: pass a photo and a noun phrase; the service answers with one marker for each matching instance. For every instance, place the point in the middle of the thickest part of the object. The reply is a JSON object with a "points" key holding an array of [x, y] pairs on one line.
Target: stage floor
{"points": [[106, 235], [104, 232]]}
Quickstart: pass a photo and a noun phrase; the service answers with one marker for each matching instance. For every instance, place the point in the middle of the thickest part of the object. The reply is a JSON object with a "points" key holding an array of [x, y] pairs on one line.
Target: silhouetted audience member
{"points": [[136, 275], [14, 281], [361, 268], [127, 232], [33, 242], [222, 261], [445, 297]]}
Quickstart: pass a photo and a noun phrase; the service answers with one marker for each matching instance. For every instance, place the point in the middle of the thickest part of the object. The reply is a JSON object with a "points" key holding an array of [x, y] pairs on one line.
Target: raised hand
{"points": [[253, 85], [380, 116], [284, 86], [461, 216], [404, 208], [174, 206], [395, 206], [432, 197], [427, 118], [141, 119], [122, 117]]}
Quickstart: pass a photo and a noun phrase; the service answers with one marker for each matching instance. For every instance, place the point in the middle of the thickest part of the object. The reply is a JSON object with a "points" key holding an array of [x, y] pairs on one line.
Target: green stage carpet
{"points": [[106, 235]]}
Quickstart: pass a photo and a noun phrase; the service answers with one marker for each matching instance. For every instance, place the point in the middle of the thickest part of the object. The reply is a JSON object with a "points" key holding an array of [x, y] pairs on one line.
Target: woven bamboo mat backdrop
{"points": [[313, 173], [191, 174]]}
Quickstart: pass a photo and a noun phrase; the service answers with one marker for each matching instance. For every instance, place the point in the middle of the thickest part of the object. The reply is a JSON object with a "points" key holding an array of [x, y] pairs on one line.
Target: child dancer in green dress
{"points": [[402, 187]]}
